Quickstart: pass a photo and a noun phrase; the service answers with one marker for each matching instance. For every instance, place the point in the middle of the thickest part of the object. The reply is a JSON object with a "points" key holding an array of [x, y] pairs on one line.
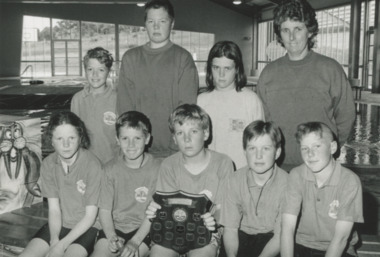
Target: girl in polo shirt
{"points": [[70, 180]]}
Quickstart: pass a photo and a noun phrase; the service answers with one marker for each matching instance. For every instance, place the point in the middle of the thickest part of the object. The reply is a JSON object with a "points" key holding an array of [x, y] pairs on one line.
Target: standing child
{"points": [[96, 104], [327, 195], [127, 188], [251, 210], [70, 180], [193, 169], [231, 106]]}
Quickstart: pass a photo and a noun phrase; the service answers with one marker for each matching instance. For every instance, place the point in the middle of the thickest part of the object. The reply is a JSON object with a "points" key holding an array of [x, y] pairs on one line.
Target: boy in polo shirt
{"points": [[126, 189], [327, 195], [194, 169], [96, 104], [252, 202]]}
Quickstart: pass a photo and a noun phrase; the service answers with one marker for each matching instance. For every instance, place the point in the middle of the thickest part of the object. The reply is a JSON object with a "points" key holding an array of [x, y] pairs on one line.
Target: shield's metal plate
{"points": [[178, 224]]}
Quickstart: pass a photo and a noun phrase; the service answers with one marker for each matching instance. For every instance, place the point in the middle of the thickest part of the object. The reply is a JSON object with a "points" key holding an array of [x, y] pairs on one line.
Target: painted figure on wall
{"points": [[20, 160]]}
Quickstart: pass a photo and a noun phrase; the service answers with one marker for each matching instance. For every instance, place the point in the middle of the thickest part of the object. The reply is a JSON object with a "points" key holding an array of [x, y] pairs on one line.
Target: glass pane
{"points": [[96, 34], [65, 29], [130, 37], [60, 71], [35, 51]]}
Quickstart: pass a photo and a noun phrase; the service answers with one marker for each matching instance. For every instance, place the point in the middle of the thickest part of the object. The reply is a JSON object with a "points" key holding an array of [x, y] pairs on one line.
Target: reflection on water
{"points": [[363, 145]]}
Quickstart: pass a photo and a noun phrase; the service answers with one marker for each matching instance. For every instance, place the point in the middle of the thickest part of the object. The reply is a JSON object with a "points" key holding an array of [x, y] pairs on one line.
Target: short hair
{"points": [[317, 127], [296, 10], [157, 4], [259, 128], [66, 117], [231, 51], [134, 119], [189, 112], [101, 54]]}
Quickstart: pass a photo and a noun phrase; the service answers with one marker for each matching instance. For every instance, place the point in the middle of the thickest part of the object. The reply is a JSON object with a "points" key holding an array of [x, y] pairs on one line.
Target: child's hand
{"points": [[115, 244], [209, 221], [131, 249], [152, 210]]}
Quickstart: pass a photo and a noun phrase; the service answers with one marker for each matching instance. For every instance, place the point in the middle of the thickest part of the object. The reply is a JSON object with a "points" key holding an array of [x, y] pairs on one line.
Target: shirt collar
{"points": [[334, 178], [252, 182]]}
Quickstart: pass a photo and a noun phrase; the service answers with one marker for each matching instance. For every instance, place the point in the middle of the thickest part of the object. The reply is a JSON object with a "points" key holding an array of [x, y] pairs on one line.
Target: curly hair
{"points": [[101, 54], [296, 10]]}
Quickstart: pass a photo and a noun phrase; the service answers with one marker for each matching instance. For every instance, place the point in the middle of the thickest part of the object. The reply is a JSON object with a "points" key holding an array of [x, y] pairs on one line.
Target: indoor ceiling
{"points": [[247, 7]]}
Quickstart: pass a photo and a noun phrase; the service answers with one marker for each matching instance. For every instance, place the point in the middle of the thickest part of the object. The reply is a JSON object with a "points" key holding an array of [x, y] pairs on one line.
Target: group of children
{"points": [[100, 202]]}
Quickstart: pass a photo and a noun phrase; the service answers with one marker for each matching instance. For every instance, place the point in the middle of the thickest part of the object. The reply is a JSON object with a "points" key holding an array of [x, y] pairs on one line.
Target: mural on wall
{"points": [[20, 161]]}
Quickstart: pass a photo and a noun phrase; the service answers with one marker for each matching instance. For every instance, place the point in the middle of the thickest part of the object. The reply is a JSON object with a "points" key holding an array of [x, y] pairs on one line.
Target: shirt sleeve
{"points": [[125, 100], [188, 81], [230, 215], [94, 176], [49, 188], [261, 92], [293, 194], [166, 181], [343, 104], [74, 104], [107, 191], [351, 203], [257, 108]]}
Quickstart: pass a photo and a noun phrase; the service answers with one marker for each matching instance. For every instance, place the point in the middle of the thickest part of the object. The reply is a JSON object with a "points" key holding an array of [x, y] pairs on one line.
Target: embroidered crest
{"points": [[141, 194], [109, 118], [333, 209], [81, 187]]}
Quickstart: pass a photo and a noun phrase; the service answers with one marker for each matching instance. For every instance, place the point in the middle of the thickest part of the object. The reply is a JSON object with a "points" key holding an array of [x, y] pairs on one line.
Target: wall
{"points": [[194, 15]]}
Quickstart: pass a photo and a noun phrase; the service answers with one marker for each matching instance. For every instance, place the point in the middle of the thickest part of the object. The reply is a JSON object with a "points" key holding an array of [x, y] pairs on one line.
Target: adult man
{"points": [[157, 77]]}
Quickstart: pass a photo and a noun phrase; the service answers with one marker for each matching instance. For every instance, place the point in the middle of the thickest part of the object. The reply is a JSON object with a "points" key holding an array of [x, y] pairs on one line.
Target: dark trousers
{"points": [[249, 245], [303, 251]]}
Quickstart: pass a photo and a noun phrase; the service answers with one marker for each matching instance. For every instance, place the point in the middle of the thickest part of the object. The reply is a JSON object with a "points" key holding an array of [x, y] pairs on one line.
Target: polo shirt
{"points": [[98, 112], [340, 198], [127, 192], [252, 208], [75, 190], [211, 181]]}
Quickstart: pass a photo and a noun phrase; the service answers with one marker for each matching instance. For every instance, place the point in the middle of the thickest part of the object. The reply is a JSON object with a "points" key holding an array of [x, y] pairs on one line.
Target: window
{"points": [[36, 49], [61, 54]]}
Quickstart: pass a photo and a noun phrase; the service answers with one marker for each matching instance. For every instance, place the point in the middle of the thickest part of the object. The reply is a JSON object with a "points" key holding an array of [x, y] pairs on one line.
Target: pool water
{"points": [[363, 145]]}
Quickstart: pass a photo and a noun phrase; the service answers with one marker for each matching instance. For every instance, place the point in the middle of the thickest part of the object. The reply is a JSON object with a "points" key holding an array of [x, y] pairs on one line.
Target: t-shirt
{"points": [[127, 192], [75, 190]]}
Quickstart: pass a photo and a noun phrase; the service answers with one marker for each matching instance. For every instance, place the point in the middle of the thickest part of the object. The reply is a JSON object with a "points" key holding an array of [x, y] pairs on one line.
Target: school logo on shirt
{"points": [[141, 194], [109, 118], [237, 125], [81, 187], [333, 209]]}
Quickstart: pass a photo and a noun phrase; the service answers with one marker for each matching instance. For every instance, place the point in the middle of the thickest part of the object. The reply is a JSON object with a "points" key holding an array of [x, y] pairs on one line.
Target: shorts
{"points": [[87, 240], [249, 245], [126, 236], [303, 251]]}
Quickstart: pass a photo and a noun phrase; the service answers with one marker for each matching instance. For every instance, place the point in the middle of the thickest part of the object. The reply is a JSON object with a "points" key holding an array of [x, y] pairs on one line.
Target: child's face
{"points": [[190, 137], [223, 73], [66, 141], [261, 154], [132, 142], [317, 151], [96, 73]]}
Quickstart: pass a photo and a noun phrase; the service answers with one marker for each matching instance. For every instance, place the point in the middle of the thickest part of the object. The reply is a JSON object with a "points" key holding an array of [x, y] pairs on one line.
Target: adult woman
{"points": [[303, 85]]}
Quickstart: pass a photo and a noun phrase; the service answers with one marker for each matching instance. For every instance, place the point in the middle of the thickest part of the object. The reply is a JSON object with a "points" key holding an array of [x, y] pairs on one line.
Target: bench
{"points": [[370, 246]]}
